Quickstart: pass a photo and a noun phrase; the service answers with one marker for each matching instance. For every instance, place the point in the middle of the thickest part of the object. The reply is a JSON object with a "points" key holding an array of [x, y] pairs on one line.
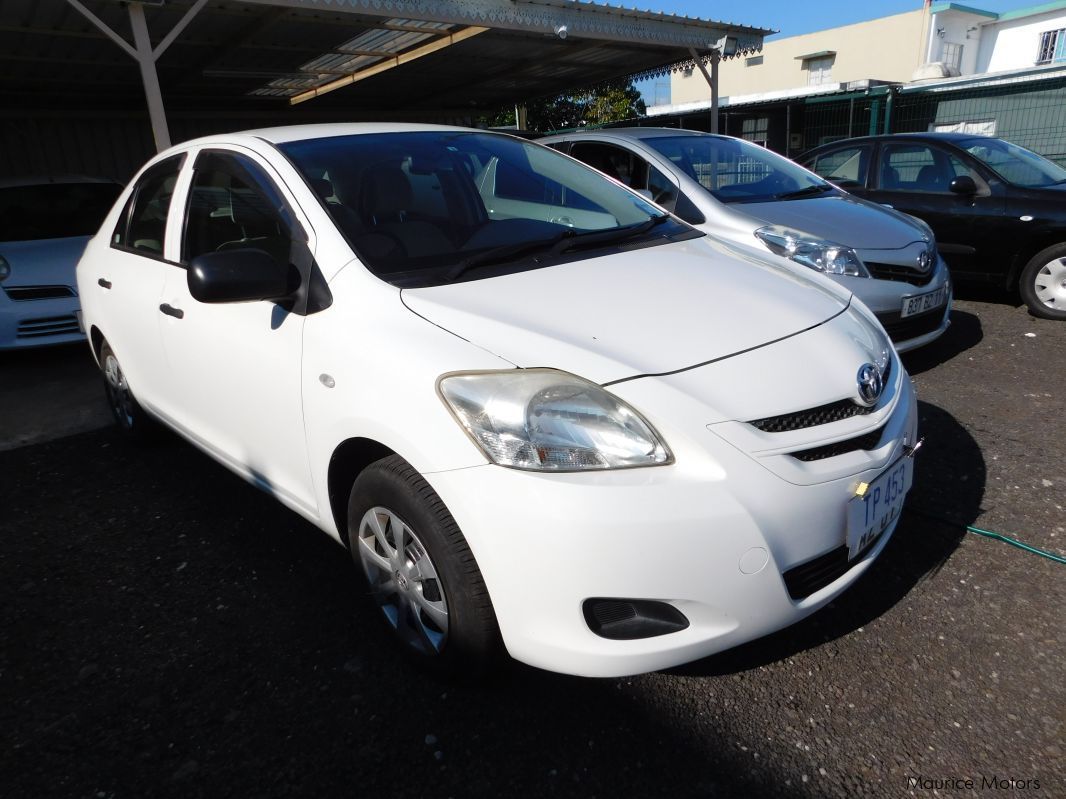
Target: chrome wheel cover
{"points": [[403, 580], [118, 392], [1049, 284]]}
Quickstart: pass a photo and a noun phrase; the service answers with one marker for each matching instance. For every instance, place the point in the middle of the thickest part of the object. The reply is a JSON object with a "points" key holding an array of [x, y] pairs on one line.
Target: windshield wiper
{"points": [[562, 242], [505, 252], [807, 191]]}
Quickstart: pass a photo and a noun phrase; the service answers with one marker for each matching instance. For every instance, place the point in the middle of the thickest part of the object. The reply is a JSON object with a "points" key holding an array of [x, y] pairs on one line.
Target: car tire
{"points": [[420, 570], [1043, 283], [129, 416]]}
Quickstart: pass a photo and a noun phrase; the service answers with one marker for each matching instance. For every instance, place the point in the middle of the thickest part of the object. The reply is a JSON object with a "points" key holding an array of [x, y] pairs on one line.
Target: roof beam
{"points": [[403, 58]]}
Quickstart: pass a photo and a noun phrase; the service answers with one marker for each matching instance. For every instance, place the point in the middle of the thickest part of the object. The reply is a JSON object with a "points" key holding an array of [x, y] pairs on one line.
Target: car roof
{"points": [[932, 137], [630, 133], [48, 180]]}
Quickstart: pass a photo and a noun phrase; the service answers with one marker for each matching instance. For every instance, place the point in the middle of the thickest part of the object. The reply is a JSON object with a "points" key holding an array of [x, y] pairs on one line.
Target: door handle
{"points": [[103, 283], [170, 310]]}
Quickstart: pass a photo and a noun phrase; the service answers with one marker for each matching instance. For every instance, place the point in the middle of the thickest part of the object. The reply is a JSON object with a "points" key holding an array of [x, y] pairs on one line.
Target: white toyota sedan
{"points": [[543, 415]]}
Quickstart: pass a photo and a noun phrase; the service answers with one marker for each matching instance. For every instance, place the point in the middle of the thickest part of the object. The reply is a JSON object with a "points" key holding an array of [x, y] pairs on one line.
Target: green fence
{"points": [[1029, 113]]}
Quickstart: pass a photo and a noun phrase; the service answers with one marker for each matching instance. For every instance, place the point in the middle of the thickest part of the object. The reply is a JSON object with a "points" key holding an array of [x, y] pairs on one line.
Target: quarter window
{"points": [[847, 167], [143, 223]]}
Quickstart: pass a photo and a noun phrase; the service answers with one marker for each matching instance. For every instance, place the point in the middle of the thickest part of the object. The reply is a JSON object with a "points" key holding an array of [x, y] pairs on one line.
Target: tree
{"points": [[608, 102]]}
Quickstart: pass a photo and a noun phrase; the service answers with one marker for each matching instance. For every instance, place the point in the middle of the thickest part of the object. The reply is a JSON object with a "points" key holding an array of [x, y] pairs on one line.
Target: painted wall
{"points": [[1015, 43], [889, 48]]}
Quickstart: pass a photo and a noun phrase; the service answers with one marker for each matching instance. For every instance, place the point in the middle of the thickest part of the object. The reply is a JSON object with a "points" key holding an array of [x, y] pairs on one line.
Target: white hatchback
{"points": [[539, 412]]}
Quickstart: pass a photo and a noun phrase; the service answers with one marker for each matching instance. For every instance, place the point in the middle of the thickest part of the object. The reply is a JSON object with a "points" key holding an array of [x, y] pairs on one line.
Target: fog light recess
{"points": [[629, 619]]}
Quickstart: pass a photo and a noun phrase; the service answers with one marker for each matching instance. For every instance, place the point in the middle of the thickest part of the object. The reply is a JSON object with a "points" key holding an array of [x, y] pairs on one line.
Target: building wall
{"points": [[889, 48], [1015, 43]]}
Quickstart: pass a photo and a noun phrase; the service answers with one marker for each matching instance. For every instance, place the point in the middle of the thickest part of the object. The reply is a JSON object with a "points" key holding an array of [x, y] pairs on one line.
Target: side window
{"points": [[615, 162], [845, 167], [144, 219], [524, 183], [914, 167], [233, 205]]}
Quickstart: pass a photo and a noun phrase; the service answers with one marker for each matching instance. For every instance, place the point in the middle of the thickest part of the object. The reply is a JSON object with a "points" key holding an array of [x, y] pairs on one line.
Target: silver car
{"points": [[738, 191]]}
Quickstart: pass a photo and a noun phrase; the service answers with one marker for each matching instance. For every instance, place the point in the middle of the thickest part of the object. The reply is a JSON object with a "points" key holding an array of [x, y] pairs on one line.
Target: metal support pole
{"points": [[146, 61], [712, 81], [715, 58]]}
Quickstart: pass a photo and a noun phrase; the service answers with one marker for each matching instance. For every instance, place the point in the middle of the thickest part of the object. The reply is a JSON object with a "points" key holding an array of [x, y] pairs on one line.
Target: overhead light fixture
{"points": [[726, 46], [560, 31]]}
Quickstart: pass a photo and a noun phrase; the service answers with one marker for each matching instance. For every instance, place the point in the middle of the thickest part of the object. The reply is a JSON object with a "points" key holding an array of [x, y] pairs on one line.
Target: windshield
{"points": [[54, 210], [1013, 163], [737, 171], [427, 207]]}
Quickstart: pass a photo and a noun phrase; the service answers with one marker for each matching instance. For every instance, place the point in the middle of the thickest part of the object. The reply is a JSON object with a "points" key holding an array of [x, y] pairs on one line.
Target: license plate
{"points": [[873, 512], [921, 303]]}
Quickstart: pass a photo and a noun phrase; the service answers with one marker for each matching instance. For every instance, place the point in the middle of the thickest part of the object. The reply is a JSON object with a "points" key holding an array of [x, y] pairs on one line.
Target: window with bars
{"points": [[1052, 47]]}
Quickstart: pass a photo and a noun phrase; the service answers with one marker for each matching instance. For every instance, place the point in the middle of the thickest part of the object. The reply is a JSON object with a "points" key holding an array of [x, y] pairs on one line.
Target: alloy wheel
{"points": [[403, 580]]}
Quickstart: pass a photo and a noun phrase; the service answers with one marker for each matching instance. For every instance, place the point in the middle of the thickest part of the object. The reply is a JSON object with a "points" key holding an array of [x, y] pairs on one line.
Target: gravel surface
{"points": [[166, 630]]}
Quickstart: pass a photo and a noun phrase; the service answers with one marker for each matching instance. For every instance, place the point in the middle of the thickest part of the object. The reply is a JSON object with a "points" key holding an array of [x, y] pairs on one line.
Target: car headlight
{"points": [[5, 269], [818, 254], [545, 420]]}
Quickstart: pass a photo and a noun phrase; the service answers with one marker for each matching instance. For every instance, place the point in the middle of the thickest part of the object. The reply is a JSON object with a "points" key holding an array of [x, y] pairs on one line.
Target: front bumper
{"points": [[710, 535], [886, 297], [39, 322]]}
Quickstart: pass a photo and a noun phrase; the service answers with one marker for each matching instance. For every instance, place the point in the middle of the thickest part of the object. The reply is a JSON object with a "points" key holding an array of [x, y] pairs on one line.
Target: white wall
{"points": [[1015, 43]]}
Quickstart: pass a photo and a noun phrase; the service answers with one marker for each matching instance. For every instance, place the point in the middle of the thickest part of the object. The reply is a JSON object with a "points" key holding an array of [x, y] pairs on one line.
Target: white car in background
{"points": [[44, 225], [542, 415], [737, 190]]}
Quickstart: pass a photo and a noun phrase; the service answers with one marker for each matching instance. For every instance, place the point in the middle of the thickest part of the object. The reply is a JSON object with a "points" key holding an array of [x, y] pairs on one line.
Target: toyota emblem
{"points": [[871, 384]]}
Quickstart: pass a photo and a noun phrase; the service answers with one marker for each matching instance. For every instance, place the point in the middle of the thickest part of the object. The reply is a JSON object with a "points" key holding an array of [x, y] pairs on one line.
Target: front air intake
{"points": [[629, 619]]}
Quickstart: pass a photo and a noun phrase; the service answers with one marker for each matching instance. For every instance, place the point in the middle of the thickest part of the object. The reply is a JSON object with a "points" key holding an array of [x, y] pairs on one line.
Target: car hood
{"points": [[649, 311], [44, 262], [842, 219]]}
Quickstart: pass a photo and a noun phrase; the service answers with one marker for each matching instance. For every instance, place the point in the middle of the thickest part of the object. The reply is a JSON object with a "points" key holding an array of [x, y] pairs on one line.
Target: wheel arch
{"points": [[347, 462], [96, 341], [1028, 251]]}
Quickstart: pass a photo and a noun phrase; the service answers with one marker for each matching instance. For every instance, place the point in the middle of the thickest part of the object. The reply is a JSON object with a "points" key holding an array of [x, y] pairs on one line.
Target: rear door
{"points": [[129, 282]]}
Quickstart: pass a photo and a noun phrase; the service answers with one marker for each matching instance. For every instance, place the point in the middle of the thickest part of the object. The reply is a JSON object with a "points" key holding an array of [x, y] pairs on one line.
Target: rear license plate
{"points": [[873, 512], [921, 303]]}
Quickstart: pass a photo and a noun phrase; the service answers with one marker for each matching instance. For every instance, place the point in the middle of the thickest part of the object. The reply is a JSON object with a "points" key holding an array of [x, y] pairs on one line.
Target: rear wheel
{"points": [[1043, 283], [420, 570], [128, 414]]}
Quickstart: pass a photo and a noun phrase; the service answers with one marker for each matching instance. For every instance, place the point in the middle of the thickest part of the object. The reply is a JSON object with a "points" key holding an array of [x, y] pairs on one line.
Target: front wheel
{"points": [[420, 570], [1043, 283]]}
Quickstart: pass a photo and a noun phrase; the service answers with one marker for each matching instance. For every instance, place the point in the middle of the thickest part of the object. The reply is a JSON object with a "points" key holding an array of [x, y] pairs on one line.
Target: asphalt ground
{"points": [[167, 630]]}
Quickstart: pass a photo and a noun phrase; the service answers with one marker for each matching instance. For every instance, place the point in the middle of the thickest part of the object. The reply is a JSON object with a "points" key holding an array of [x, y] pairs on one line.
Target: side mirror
{"points": [[963, 184], [239, 276]]}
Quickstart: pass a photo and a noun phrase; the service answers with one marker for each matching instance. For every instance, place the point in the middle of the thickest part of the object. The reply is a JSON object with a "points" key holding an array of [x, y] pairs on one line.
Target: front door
{"points": [[235, 367]]}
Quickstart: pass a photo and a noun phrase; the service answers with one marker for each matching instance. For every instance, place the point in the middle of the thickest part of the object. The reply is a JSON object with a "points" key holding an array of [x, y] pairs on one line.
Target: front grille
{"points": [[814, 575], [823, 414], [902, 274], [913, 326], [49, 326], [864, 442], [19, 293], [812, 417]]}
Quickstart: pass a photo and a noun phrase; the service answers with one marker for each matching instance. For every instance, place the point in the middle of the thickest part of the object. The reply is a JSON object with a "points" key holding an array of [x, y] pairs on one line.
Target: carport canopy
{"points": [[432, 60]]}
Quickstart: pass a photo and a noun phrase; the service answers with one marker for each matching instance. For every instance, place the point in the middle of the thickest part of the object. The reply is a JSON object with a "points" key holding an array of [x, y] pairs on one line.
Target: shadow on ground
{"points": [[170, 631], [949, 485]]}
